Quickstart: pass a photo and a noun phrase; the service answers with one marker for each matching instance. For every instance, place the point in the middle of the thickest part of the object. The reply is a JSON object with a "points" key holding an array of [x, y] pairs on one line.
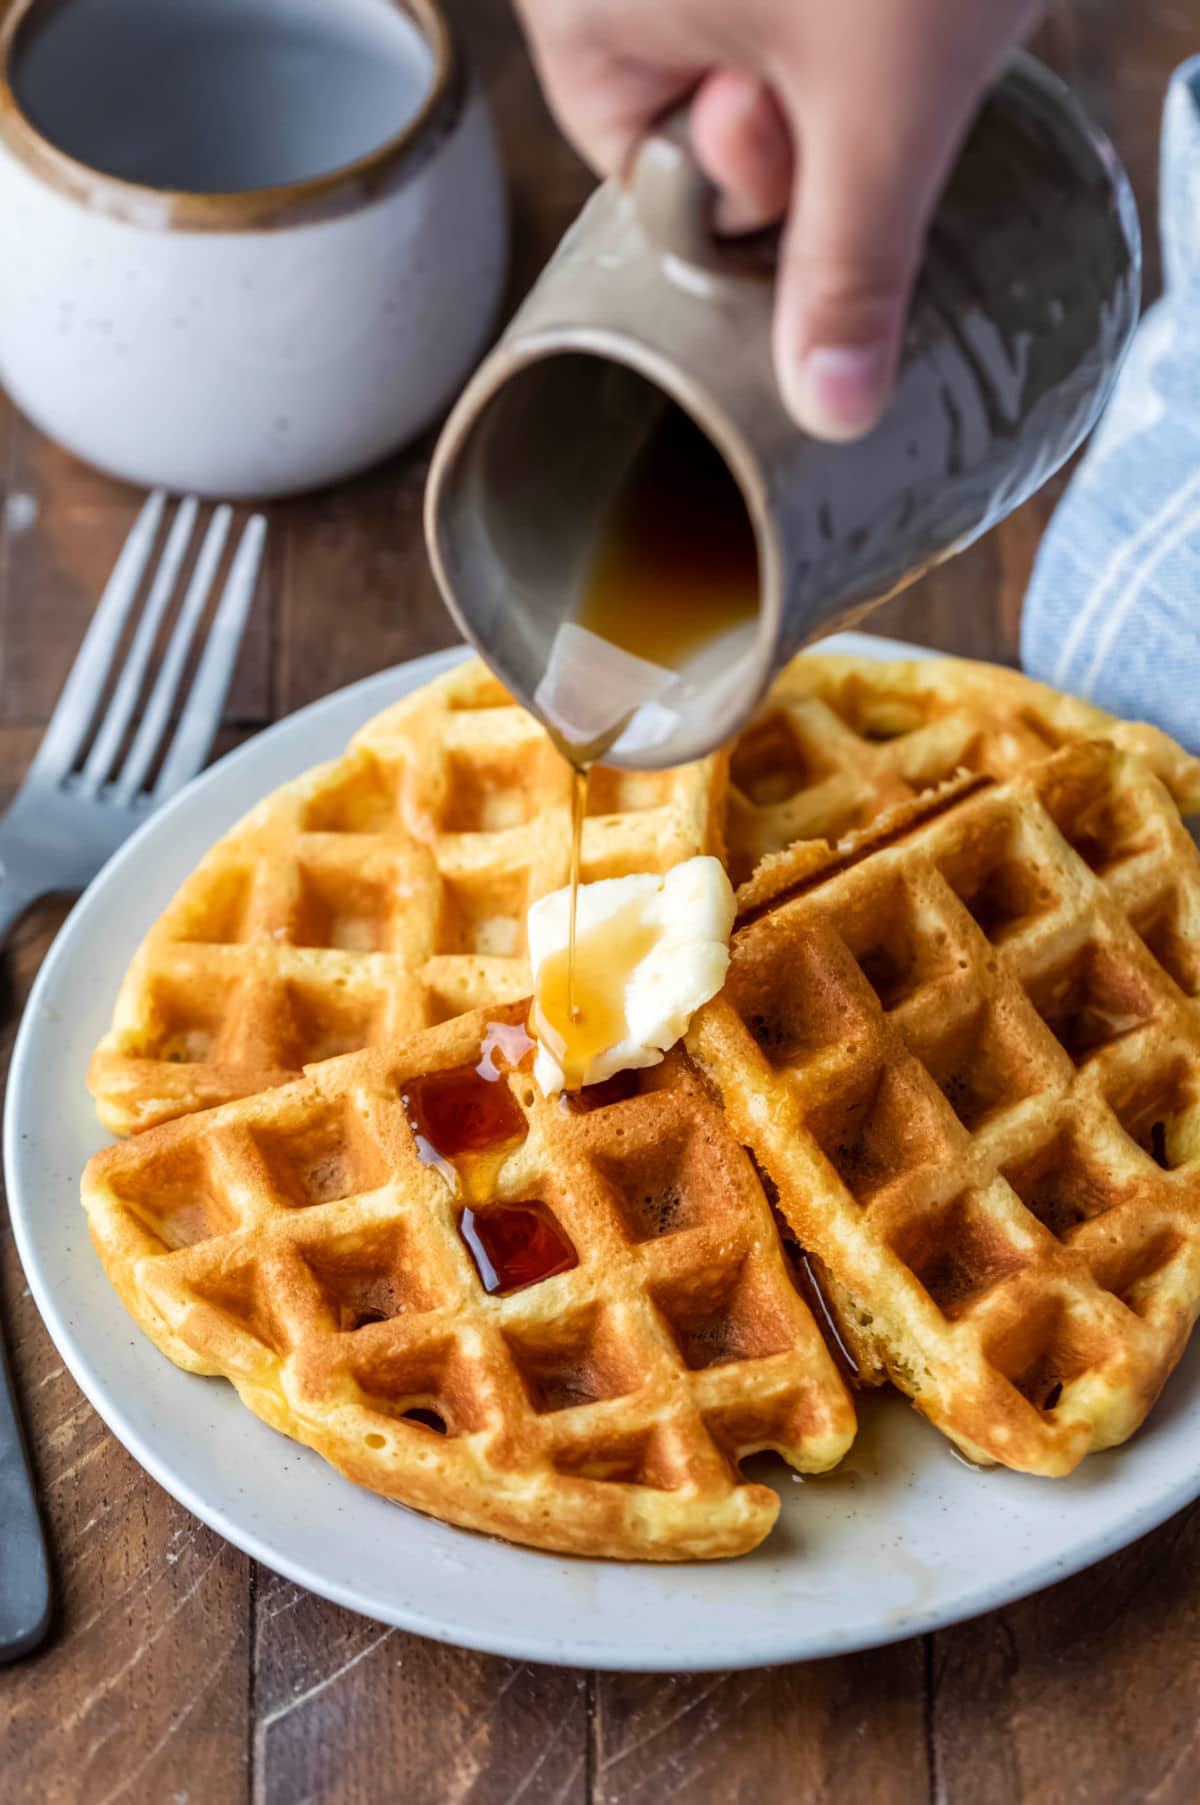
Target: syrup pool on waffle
{"points": [[465, 1123]]}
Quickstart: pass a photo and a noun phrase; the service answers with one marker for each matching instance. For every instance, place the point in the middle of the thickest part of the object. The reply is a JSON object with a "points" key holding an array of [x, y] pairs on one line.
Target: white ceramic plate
{"points": [[902, 1538]]}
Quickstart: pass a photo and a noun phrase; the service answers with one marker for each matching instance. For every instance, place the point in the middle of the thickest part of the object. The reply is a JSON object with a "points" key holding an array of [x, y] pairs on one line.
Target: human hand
{"points": [[842, 117]]}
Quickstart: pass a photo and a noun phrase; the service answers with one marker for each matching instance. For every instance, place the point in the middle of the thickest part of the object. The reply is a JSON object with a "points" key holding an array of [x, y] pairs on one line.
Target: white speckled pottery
{"points": [[249, 246]]}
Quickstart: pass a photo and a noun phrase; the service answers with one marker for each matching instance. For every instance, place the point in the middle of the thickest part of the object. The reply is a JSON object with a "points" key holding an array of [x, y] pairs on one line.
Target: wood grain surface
{"points": [[178, 1671]]}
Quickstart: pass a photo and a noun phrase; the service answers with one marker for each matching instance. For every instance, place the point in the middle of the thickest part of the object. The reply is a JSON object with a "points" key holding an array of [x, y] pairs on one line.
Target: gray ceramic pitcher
{"points": [[1024, 308]]}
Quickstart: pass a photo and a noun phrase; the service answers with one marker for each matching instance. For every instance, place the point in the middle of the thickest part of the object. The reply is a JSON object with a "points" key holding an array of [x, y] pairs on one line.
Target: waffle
{"points": [[377, 895], [386, 891], [306, 1245], [839, 741], [966, 1056]]}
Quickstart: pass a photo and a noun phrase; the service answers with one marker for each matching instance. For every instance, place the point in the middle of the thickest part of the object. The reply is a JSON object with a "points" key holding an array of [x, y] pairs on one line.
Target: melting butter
{"points": [[649, 951]]}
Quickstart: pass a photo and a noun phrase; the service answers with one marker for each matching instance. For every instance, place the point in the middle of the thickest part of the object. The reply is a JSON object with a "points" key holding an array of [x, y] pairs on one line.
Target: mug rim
{"points": [[341, 190]]}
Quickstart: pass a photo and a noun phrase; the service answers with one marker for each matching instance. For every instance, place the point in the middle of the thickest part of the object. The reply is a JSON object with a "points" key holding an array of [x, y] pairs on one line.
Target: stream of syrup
{"points": [[675, 571], [580, 775]]}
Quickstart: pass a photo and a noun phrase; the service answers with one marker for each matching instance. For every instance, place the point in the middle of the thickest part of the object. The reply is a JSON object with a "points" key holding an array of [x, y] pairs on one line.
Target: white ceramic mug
{"points": [[248, 246]]}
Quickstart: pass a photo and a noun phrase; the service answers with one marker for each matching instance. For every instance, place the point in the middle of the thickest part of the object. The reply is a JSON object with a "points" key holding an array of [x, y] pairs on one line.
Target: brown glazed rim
{"points": [[340, 190]]}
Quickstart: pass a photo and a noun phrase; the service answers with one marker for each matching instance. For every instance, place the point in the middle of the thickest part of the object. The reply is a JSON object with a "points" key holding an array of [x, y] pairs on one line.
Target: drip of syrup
{"points": [[567, 1020], [579, 791], [809, 1285], [807, 1280], [515, 1245]]}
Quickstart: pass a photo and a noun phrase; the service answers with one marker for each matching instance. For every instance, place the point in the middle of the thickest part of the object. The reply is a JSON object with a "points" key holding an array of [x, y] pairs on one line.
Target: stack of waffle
{"points": [[947, 1105]]}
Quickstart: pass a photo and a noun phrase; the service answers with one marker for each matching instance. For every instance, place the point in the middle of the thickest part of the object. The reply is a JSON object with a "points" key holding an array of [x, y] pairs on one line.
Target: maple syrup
{"points": [[808, 1284], [677, 562], [580, 778], [515, 1245], [460, 1112], [676, 570], [464, 1125]]}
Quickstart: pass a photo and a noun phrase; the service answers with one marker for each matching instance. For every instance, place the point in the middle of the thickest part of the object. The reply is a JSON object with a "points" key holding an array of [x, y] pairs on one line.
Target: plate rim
{"points": [[517, 1643]]}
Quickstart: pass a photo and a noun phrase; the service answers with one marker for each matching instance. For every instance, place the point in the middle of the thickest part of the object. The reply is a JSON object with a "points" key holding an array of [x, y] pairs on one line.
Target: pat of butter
{"points": [[678, 925]]}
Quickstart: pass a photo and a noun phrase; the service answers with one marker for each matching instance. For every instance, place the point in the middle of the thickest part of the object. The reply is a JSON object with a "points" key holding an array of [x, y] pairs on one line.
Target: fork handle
{"points": [[24, 1567], [15, 897]]}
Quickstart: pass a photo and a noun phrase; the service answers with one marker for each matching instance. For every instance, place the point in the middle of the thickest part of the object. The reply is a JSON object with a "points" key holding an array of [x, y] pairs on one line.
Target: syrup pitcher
{"points": [[628, 525]]}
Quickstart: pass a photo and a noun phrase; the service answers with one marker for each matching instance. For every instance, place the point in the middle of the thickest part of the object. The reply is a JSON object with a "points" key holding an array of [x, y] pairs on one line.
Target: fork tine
{"points": [[80, 693], [202, 712], [124, 697], [158, 709]]}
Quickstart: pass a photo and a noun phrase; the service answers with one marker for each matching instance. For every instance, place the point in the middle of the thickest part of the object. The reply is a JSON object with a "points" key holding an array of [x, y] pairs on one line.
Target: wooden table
{"points": [[179, 1672]]}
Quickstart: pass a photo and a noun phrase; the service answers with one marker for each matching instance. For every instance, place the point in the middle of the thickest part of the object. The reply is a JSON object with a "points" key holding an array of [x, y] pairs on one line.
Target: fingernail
{"points": [[838, 391]]}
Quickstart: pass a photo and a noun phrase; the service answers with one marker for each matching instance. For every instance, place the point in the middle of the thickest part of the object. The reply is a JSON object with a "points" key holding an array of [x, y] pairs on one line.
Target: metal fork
{"points": [[63, 823], [68, 817]]}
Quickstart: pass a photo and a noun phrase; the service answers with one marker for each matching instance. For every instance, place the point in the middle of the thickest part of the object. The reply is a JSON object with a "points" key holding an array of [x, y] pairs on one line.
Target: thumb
{"points": [[863, 196]]}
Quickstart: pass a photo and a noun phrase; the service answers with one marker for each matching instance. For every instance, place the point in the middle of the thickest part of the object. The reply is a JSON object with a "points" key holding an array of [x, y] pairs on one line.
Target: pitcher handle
{"points": [[673, 198], [675, 204]]}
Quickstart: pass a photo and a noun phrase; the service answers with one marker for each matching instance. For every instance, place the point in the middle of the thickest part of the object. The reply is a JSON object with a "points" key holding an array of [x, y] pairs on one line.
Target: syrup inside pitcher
{"points": [[669, 585], [630, 595], [674, 569]]}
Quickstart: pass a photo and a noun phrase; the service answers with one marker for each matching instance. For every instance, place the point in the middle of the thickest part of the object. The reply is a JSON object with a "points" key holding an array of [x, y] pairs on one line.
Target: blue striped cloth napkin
{"points": [[1113, 609]]}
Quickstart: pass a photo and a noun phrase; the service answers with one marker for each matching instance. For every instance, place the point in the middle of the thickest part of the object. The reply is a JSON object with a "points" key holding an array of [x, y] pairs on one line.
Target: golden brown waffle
{"points": [[297, 1243], [387, 891], [841, 740], [967, 1056], [375, 896]]}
